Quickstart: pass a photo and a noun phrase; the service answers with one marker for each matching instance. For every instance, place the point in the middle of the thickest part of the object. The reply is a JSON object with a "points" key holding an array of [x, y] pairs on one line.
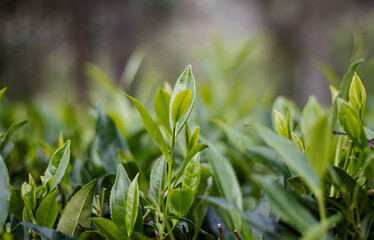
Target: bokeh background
{"points": [[287, 45]]}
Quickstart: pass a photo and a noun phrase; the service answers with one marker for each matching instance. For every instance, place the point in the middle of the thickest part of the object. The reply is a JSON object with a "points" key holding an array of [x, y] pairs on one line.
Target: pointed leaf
{"points": [[77, 211], [47, 233], [185, 81], [151, 127], [47, 211], [192, 174], [180, 105], [16, 203], [132, 204], [318, 230], [297, 141], [161, 104], [181, 200], [159, 177], [118, 198], [58, 164], [194, 138], [357, 95], [2, 91], [108, 228], [12, 129]]}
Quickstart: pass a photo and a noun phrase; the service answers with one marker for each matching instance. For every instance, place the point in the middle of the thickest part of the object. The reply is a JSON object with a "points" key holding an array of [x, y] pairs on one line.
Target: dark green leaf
{"points": [[151, 127], [47, 211], [181, 201], [77, 211], [108, 228], [118, 198], [58, 164], [48, 233], [318, 230], [90, 235], [16, 203], [298, 185], [5, 139], [366, 224], [347, 78], [4, 193]]}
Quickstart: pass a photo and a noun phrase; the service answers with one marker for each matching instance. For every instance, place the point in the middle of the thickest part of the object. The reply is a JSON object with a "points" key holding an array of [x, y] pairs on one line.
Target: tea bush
{"points": [[131, 174]]}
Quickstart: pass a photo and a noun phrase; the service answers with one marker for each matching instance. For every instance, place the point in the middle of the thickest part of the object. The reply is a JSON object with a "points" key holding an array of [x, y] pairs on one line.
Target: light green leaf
{"points": [[283, 126], [161, 104], [292, 156], [357, 95], [180, 105], [318, 230], [47, 233], [194, 138], [297, 141], [192, 174], [77, 211], [317, 135], [159, 177], [108, 228], [29, 195], [185, 81], [151, 127], [187, 136], [118, 198], [58, 164], [196, 149], [47, 211], [5, 193], [352, 124], [344, 85], [334, 93], [286, 205], [2, 91], [132, 204], [181, 201]]}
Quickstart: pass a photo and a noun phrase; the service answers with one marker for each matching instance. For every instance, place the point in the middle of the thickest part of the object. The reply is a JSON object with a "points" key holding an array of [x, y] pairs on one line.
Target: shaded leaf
{"points": [[159, 177], [5, 193], [318, 230], [47, 211], [12, 129], [47, 233], [16, 203], [108, 228], [161, 105]]}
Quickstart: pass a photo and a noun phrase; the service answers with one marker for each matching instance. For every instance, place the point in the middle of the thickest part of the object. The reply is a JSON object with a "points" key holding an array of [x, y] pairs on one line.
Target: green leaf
{"points": [[185, 81], [58, 164], [180, 105], [151, 127], [366, 224], [29, 196], [77, 211], [196, 149], [292, 155], [47, 211], [344, 85], [108, 228], [108, 141], [352, 124], [159, 177], [91, 235], [192, 174], [12, 129], [286, 205], [194, 138], [181, 200], [161, 104], [2, 91], [187, 136], [317, 135], [318, 230], [297, 141], [132, 204], [47, 233], [118, 198], [16, 203], [227, 184], [357, 95], [283, 126], [298, 185], [5, 193]]}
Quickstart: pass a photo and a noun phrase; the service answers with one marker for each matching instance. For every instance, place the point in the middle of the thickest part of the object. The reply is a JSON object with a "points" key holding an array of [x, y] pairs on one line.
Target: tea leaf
{"points": [[180, 105], [161, 104], [292, 156], [132, 203], [5, 193], [91, 235], [118, 198], [47, 211], [185, 81], [151, 127], [16, 203], [282, 124], [318, 230], [159, 177], [12, 129], [347, 78], [48, 233], [181, 200], [351, 122], [58, 164], [194, 138], [108, 228], [2, 91], [29, 196], [77, 211], [297, 141], [357, 95], [192, 174]]}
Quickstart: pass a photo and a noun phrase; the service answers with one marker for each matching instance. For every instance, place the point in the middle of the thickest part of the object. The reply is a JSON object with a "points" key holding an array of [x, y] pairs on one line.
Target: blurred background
{"points": [[45, 45]]}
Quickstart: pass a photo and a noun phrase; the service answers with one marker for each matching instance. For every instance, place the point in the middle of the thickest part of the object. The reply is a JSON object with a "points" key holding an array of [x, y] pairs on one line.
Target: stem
{"points": [[170, 168], [349, 152], [321, 204]]}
